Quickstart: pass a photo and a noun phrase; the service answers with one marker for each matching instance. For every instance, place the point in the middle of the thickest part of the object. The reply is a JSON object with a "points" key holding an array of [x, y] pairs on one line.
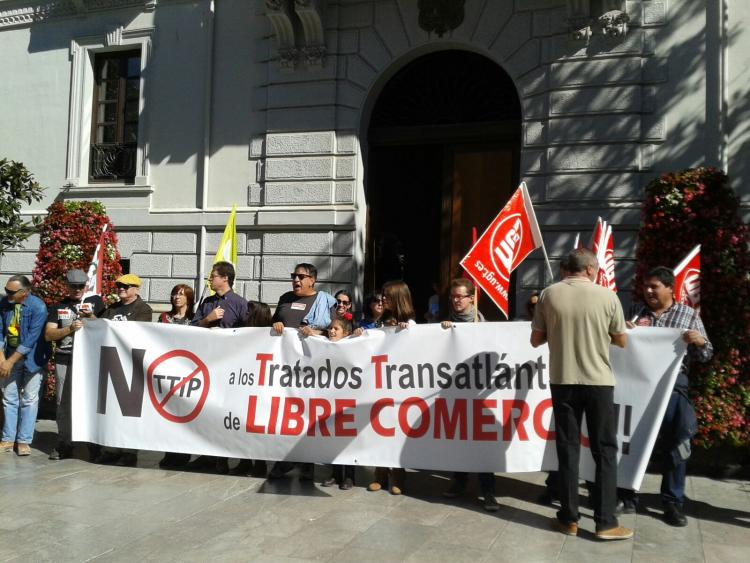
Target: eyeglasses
{"points": [[10, 292], [459, 296], [299, 276], [76, 285], [124, 286], [341, 302], [215, 275]]}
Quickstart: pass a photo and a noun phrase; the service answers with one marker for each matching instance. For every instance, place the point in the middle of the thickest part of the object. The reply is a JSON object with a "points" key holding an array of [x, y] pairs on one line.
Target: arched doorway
{"points": [[444, 141]]}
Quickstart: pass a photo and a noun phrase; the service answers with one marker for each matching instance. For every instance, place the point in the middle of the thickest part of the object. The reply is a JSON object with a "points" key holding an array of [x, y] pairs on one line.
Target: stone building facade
{"points": [[290, 109]]}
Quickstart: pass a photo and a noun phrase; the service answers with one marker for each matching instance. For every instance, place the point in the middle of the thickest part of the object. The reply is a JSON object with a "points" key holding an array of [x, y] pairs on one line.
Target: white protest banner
{"points": [[471, 398]]}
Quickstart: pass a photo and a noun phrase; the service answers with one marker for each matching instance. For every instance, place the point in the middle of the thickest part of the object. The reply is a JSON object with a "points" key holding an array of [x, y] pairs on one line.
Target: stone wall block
{"points": [[654, 128], [390, 27], [150, 265], [350, 94], [359, 71], [532, 161], [174, 242], [634, 10], [343, 242], [533, 82], [594, 129], [494, 17], [296, 243], [347, 118], [654, 13], [185, 265], [373, 49], [355, 15], [298, 168], [270, 291], [130, 242], [647, 154], [297, 193], [257, 145], [317, 93], [255, 194], [598, 186], [656, 69], [613, 99], [254, 239], [534, 133], [534, 107], [651, 98], [31, 243], [346, 142], [252, 291], [18, 263], [245, 267], [343, 269], [593, 157], [305, 118], [346, 167], [348, 42], [344, 192], [283, 144], [595, 72]]}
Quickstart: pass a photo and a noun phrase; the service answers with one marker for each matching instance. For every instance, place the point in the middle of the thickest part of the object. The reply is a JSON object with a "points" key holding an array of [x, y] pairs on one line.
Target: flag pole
{"points": [[477, 291], [535, 227]]}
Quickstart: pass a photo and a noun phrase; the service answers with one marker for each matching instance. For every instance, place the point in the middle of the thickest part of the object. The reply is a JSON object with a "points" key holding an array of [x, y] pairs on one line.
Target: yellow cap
{"points": [[129, 279]]}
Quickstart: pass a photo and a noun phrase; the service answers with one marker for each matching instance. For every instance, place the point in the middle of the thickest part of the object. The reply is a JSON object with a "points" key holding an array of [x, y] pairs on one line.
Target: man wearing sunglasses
{"points": [[130, 307], [23, 356], [63, 320], [309, 310]]}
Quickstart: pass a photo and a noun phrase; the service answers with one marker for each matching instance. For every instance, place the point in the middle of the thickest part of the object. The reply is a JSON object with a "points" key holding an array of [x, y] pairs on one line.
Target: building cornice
{"points": [[22, 13]]}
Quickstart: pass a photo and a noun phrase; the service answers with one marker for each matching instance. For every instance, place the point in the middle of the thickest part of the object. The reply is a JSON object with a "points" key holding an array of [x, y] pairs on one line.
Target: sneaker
{"points": [[128, 460], [375, 486], [569, 529], [23, 449], [330, 482], [346, 485], [618, 533], [6, 446], [395, 490], [490, 503], [673, 515], [455, 490], [629, 506], [54, 455]]}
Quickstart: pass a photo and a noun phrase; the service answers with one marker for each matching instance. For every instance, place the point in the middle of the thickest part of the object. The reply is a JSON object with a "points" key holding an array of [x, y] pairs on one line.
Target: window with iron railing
{"points": [[114, 136]]}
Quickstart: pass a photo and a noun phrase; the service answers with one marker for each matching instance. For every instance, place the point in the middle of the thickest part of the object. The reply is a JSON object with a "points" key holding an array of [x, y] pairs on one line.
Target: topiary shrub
{"points": [[697, 206]]}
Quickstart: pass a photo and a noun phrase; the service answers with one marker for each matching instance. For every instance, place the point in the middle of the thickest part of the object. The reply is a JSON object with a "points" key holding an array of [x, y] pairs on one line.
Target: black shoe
{"points": [[202, 462], [455, 490], [173, 460], [280, 469], [128, 460], [54, 455], [222, 466], [259, 468], [346, 485], [330, 482], [674, 516], [547, 498], [629, 506], [243, 468], [307, 472], [490, 503]]}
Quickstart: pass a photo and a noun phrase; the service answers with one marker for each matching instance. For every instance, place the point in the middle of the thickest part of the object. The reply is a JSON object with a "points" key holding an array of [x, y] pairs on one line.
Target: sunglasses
{"points": [[124, 285], [299, 276], [340, 302], [12, 291]]}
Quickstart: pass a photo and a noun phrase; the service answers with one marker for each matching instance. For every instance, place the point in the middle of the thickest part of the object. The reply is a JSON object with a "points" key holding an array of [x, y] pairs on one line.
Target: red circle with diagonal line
{"points": [[200, 369]]}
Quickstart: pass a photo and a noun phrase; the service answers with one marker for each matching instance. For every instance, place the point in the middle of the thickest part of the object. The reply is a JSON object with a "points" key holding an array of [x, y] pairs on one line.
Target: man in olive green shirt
{"points": [[578, 320]]}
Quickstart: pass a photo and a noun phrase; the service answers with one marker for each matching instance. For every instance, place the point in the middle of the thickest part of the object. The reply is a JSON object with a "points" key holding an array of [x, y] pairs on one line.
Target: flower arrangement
{"points": [[680, 210], [68, 238]]}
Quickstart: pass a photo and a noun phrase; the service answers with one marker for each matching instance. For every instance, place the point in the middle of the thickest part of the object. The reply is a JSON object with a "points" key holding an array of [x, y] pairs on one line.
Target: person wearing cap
{"points": [[63, 320], [23, 357], [130, 307]]}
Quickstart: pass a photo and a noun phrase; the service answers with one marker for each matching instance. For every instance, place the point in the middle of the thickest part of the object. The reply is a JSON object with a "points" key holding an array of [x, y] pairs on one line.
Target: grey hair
{"points": [[23, 280], [578, 260]]}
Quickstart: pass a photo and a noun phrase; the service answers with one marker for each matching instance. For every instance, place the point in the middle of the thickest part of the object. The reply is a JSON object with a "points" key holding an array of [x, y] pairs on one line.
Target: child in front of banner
{"points": [[340, 328], [398, 311], [462, 310]]}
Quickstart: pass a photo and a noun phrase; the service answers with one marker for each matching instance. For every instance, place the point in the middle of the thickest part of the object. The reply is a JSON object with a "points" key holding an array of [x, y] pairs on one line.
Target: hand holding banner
{"points": [[509, 239]]}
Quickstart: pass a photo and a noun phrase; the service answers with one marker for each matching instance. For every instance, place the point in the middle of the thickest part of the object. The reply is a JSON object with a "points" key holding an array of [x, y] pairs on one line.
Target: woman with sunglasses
{"points": [[182, 298], [373, 311], [344, 305], [398, 311]]}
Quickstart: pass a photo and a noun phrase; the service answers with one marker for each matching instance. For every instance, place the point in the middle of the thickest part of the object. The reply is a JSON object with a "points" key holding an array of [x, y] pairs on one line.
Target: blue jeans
{"points": [[19, 423]]}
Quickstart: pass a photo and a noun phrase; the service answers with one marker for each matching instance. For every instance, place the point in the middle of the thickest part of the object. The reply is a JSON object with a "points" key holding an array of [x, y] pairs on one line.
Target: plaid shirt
{"points": [[677, 316]]}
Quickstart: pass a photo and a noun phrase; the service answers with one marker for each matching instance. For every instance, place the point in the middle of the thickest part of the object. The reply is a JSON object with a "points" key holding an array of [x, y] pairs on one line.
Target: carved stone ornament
{"points": [[614, 23], [440, 16]]}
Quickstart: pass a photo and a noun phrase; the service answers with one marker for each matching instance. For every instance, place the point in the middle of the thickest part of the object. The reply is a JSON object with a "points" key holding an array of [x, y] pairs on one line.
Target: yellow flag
{"points": [[227, 251]]}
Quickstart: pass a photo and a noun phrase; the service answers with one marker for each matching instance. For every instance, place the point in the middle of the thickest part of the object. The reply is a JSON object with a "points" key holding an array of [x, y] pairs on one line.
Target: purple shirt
{"points": [[235, 310]]}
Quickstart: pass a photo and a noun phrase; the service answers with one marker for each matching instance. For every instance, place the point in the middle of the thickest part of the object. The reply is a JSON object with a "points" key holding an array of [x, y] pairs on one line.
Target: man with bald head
{"points": [[579, 320]]}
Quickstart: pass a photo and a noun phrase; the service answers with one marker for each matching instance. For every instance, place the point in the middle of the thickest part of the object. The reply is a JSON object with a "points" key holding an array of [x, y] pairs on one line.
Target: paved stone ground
{"points": [[73, 510]]}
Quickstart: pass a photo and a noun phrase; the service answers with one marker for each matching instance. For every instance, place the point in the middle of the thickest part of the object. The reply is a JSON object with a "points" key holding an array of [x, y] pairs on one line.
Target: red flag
{"points": [[94, 283], [510, 238], [602, 244], [687, 280]]}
